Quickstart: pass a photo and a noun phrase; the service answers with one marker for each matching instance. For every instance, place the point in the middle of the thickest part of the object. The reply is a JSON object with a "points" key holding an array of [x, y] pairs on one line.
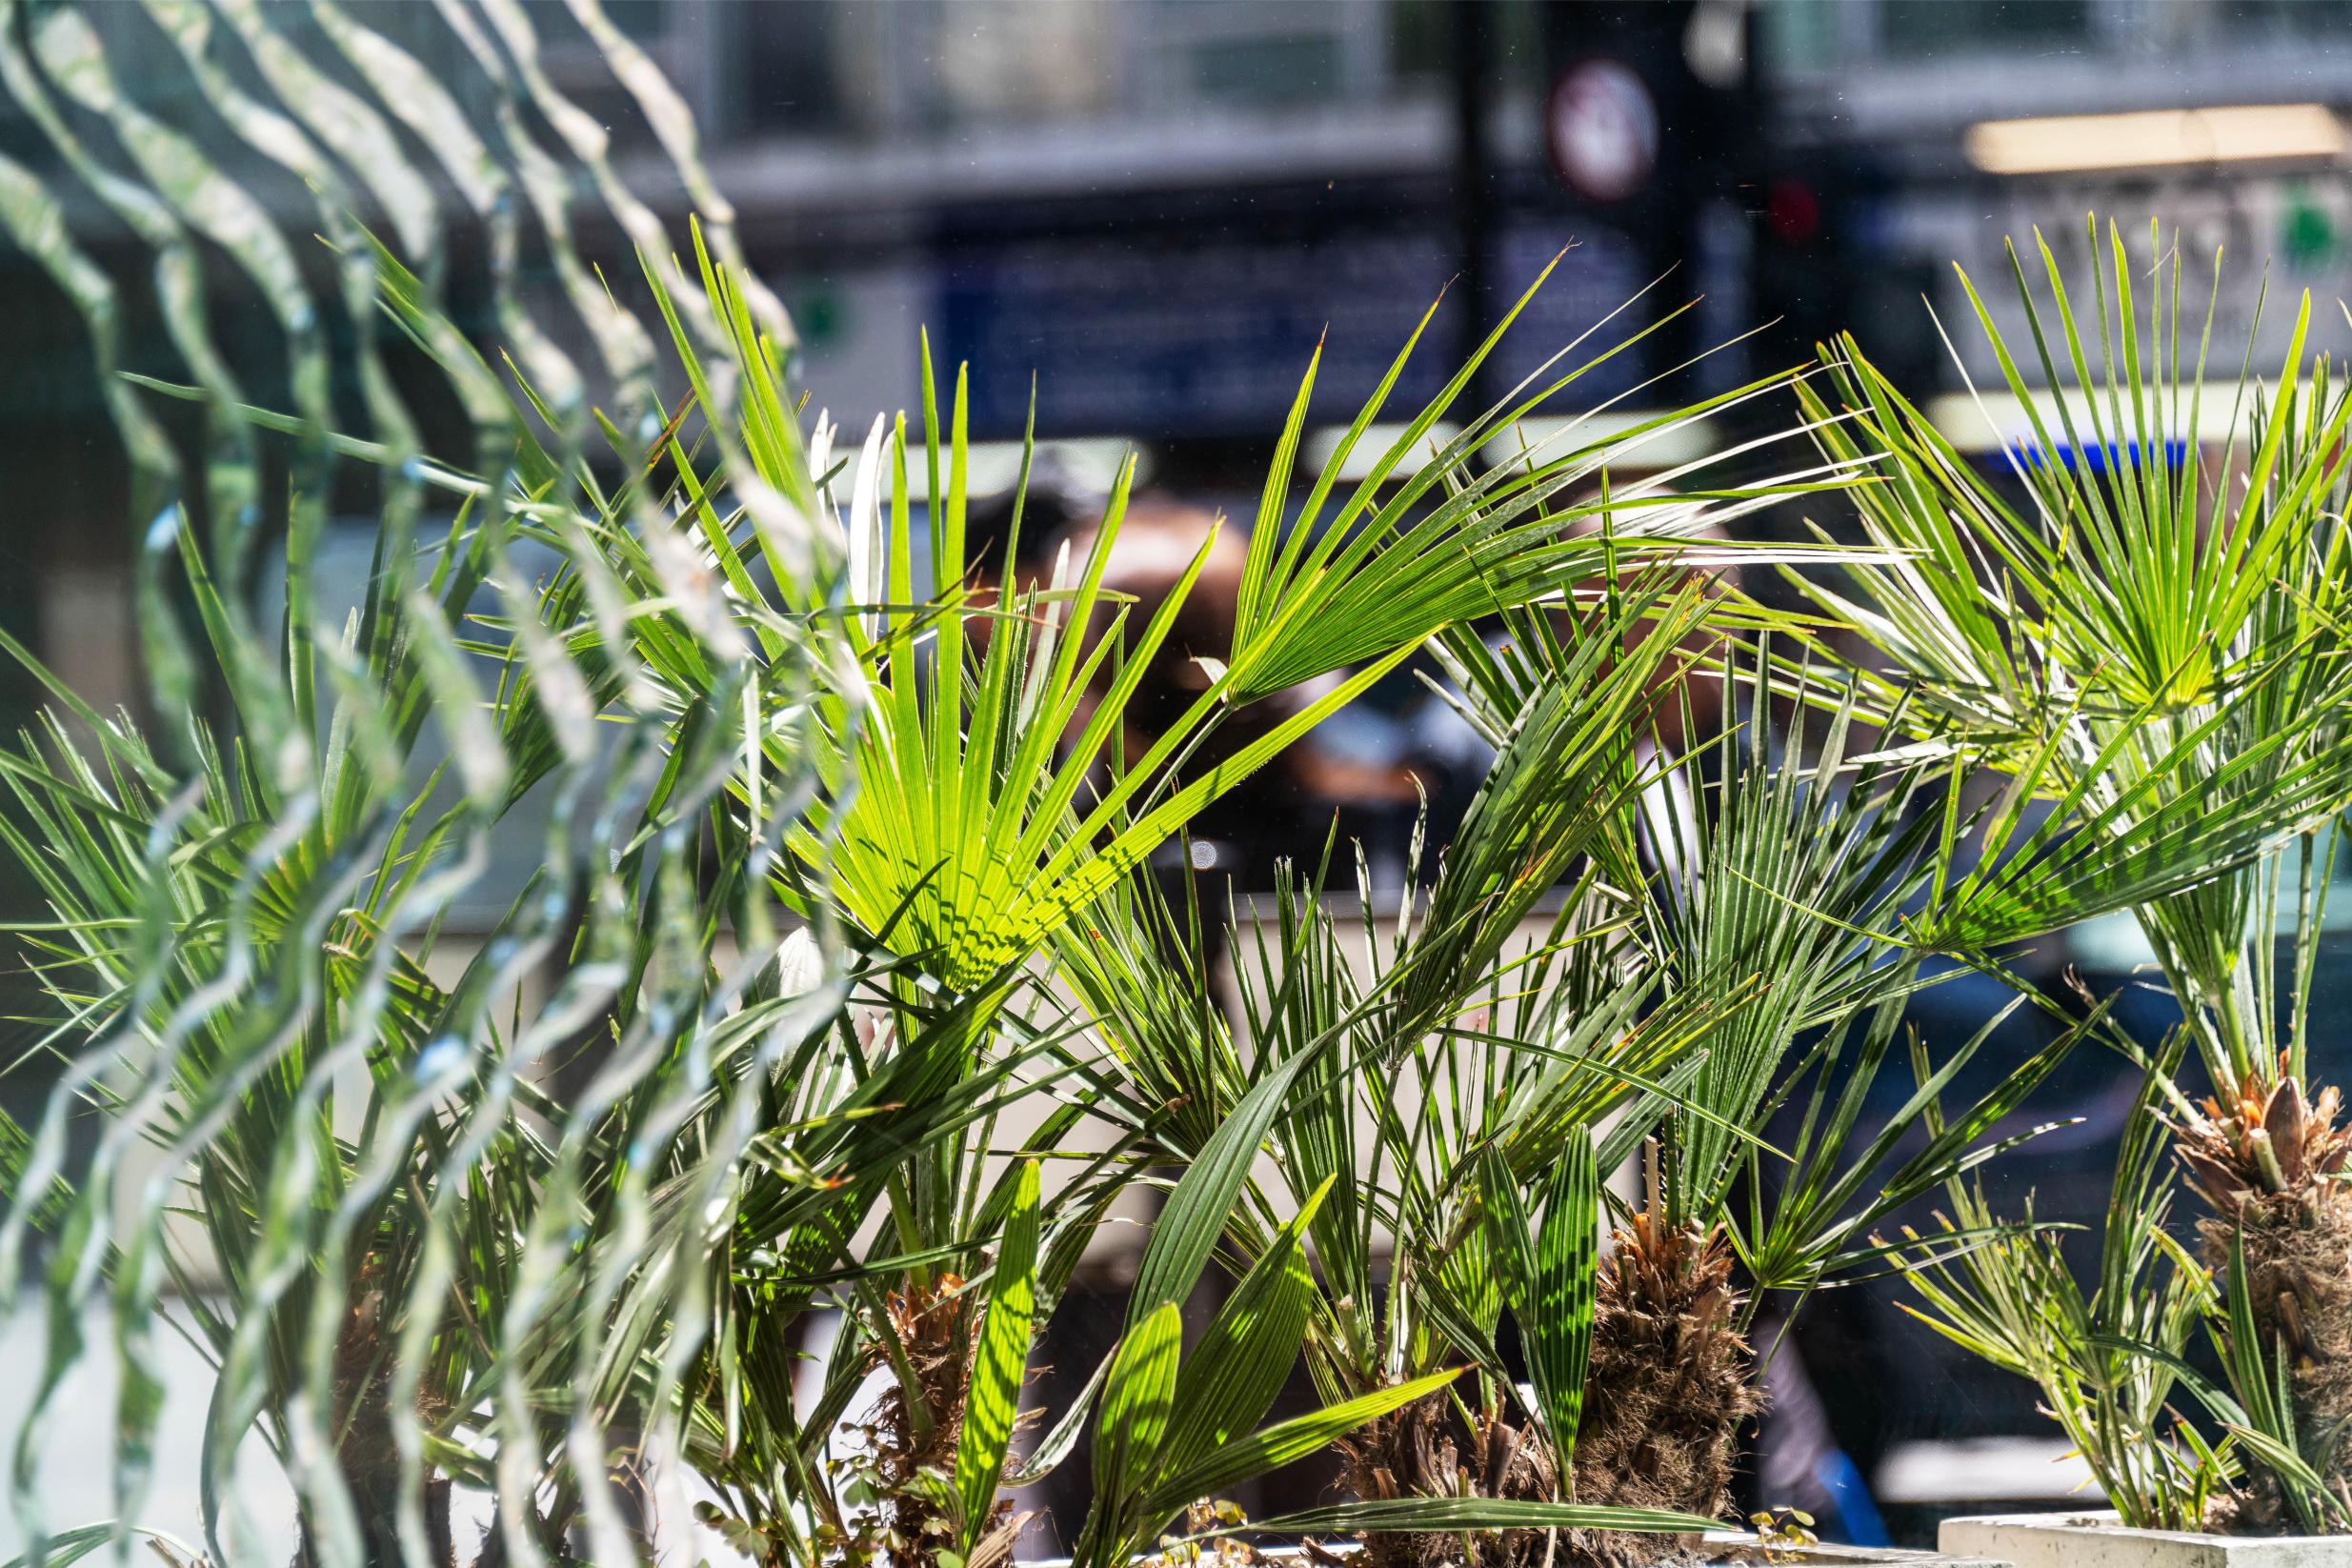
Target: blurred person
{"points": [[1287, 808], [1695, 680], [1055, 501]]}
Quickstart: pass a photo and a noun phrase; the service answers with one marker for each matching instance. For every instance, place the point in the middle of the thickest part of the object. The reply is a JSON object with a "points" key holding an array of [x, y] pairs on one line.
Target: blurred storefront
{"points": [[1934, 132], [1159, 208]]}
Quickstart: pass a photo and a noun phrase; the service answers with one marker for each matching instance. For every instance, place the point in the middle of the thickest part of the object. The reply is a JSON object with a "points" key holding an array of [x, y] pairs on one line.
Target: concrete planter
{"points": [[1725, 1548], [2095, 1541]]}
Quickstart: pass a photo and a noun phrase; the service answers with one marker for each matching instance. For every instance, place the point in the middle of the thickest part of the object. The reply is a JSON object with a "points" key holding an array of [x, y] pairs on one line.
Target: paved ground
{"points": [[75, 1484], [75, 1453]]}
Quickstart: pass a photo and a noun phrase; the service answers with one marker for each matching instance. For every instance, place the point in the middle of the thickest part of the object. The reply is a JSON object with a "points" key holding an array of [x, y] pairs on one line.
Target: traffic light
{"points": [[1638, 141], [1824, 264]]}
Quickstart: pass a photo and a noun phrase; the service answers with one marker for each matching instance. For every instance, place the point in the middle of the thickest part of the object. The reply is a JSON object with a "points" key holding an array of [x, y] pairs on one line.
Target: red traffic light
{"points": [[1793, 209]]}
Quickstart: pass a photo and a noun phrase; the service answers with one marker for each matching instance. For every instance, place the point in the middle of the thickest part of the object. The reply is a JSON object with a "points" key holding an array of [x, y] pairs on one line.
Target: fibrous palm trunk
{"points": [[367, 1456], [917, 1428], [1667, 1390], [1421, 1450], [2270, 1163]]}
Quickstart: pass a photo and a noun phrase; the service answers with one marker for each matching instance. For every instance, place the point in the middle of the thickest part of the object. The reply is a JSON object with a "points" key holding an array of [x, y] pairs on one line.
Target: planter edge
{"points": [[2092, 1538]]}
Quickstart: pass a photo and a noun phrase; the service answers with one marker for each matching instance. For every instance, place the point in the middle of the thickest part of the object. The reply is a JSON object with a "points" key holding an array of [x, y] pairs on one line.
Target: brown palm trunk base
{"points": [[1668, 1387], [2298, 1277], [937, 1328], [367, 1456], [2270, 1164], [1424, 1450], [379, 1530]]}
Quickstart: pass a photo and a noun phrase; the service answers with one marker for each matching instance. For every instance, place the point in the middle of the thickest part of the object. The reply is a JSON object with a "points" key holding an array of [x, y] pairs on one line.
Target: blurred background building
{"points": [[1148, 215], [1158, 209]]}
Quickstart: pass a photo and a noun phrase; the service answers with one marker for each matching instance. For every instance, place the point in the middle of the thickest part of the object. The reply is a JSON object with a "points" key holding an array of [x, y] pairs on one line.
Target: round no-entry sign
{"points": [[1601, 125]]}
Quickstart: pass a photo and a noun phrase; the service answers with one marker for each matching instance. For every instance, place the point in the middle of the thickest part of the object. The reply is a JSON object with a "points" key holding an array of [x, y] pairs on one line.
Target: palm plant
{"points": [[991, 809], [2156, 634], [821, 846], [358, 1188], [1668, 1003], [2107, 1360], [1468, 1054], [960, 850], [228, 955], [976, 856], [1776, 908]]}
